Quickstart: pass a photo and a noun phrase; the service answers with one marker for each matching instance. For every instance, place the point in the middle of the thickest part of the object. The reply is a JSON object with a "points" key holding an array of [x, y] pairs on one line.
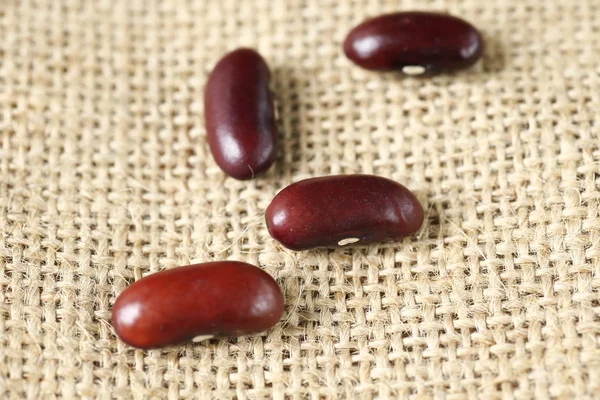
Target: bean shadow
{"points": [[494, 58], [290, 85]]}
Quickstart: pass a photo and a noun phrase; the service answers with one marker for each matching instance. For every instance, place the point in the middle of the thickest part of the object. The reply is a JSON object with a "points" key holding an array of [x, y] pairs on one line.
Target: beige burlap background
{"points": [[105, 176]]}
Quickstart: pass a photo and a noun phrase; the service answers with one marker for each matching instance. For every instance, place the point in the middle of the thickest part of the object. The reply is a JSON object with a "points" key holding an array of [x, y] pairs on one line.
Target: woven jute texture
{"points": [[106, 177]]}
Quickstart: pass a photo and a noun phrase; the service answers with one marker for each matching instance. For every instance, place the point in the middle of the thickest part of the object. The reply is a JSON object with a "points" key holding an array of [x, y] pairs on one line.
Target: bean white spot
{"points": [[413, 70], [344, 242], [200, 338]]}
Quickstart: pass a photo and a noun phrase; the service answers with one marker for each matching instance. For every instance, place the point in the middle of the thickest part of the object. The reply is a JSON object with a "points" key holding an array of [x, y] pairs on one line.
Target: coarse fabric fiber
{"points": [[106, 177]]}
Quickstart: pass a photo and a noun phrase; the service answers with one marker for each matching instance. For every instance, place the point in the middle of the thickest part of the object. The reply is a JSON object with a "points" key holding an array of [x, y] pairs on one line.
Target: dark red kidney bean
{"points": [[239, 114], [342, 209], [414, 42], [197, 301]]}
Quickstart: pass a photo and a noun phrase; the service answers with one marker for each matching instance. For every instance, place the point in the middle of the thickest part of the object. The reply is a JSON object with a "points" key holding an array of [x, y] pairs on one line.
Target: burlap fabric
{"points": [[106, 176]]}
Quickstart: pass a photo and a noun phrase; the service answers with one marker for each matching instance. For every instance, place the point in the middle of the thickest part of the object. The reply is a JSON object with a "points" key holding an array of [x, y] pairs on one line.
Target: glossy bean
{"points": [[197, 302], [343, 209], [414, 42], [239, 114]]}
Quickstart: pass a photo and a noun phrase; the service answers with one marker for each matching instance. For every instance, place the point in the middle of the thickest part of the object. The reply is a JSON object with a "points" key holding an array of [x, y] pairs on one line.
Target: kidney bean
{"points": [[197, 302], [239, 114], [414, 42], [342, 209]]}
